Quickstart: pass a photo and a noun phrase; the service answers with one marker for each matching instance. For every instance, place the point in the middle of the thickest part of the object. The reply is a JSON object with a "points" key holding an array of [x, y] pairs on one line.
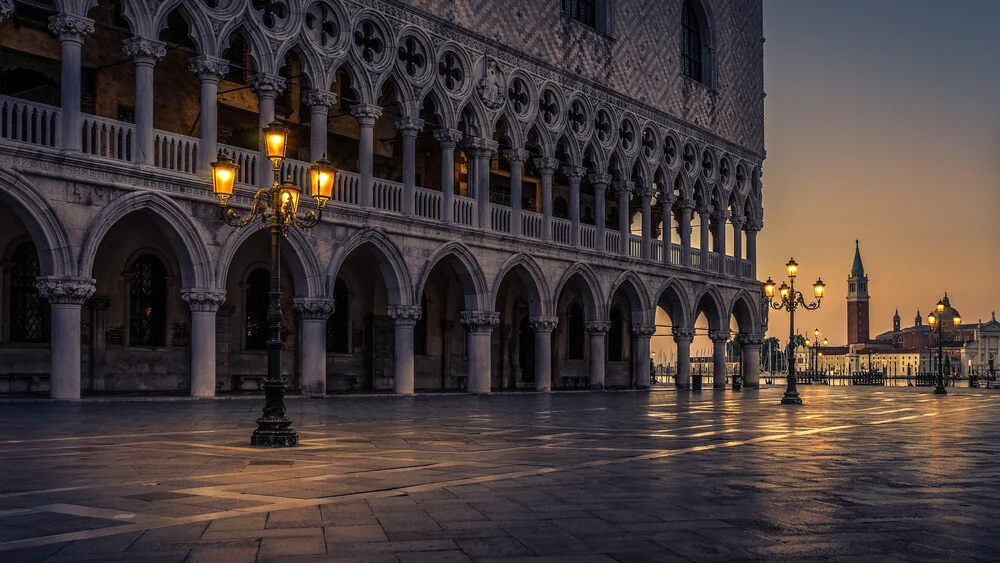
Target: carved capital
{"points": [[208, 68], [203, 300], [479, 147], [645, 193], [546, 164], [448, 138], [643, 330], [404, 314], [597, 327], [738, 221], [313, 308], [66, 291], [718, 336], [324, 99], [750, 339], [600, 181], [721, 215], [574, 173], [543, 324], [516, 156], [266, 85], [409, 126], [366, 114], [683, 334], [67, 26], [754, 225], [479, 321], [144, 50], [705, 211], [686, 204]]}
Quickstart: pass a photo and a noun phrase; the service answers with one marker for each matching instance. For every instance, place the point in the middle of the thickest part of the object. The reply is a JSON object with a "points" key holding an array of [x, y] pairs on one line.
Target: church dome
{"points": [[949, 314]]}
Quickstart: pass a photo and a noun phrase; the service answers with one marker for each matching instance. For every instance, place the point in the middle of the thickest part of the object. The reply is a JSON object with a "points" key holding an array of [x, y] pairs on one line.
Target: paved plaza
{"points": [[856, 474]]}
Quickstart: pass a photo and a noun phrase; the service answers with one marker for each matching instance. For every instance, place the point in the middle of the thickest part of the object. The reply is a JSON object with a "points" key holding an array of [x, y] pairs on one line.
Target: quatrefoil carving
{"points": [[368, 38]]}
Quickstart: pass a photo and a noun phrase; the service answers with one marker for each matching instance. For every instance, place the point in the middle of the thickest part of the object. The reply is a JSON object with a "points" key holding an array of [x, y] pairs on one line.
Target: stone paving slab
{"points": [[855, 474]]}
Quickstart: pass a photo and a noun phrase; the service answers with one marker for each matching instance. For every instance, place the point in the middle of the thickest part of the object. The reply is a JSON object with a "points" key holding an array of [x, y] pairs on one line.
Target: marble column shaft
{"points": [[204, 304], [683, 338], [516, 158], [313, 317], [210, 71], [72, 31], [404, 318], [366, 115], [448, 138], [598, 339], [145, 52], [408, 128], [543, 327], [65, 296], [479, 326]]}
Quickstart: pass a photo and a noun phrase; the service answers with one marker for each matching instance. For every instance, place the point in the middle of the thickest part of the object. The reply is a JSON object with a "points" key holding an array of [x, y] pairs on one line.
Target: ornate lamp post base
{"points": [[940, 391], [791, 399], [274, 429]]}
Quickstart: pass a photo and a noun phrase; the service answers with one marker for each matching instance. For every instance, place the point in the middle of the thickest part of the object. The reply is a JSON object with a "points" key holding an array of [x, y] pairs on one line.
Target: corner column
{"points": [[448, 138], [313, 315], [683, 338], [66, 297], [575, 174], [600, 183], [516, 158], [719, 339], [752, 229], [204, 304], [546, 168], [479, 326], [624, 228], [366, 114], [750, 359], [210, 71], [738, 221], [408, 128], [598, 337], [319, 102], [267, 87], [72, 31], [404, 318], [640, 360], [145, 53], [543, 327]]}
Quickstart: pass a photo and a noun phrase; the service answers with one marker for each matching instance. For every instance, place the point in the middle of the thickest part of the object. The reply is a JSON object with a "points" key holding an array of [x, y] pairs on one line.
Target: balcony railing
{"points": [[39, 124]]}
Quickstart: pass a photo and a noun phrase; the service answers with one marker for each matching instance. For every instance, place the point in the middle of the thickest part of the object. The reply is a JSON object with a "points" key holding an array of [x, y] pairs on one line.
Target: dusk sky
{"points": [[883, 124]]}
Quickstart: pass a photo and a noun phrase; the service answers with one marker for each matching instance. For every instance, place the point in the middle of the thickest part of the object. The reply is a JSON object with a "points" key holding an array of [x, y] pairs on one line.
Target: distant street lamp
{"points": [[277, 207], [937, 325], [791, 300]]}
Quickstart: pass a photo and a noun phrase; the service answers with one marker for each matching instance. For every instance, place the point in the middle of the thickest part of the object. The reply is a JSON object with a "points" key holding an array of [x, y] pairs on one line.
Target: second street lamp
{"points": [[936, 323], [789, 301], [277, 208]]}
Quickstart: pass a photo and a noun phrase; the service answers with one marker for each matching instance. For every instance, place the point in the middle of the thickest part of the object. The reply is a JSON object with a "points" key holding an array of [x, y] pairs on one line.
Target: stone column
{"points": [[546, 168], [750, 359], [720, 238], [479, 325], [404, 318], [267, 87], [640, 359], [145, 53], [204, 304], [752, 228], [600, 183], [72, 31], [575, 174], [686, 207], [408, 128], [705, 215], [543, 327], [98, 305], [719, 339], [313, 316], [210, 71], [667, 210], [319, 102], [683, 338], [598, 337], [516, 158], [738, 221], [65, 296], [646, 197], [366, 114], [482, 152], [624, 226], [448, 139]]}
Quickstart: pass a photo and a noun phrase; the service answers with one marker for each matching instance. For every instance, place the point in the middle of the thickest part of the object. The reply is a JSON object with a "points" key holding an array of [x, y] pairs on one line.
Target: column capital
{"points": [[643, 330], [203, 300], [266, 85], [546, 164], [313, 308], [409, 126], [666, 196], [597, 327], [319, 99], [626, 188], [645, 193], [686, 204], [750, 339], [600, 181], [208, 68], [754, 225], [543, 324], [448, 137], [478, 146], [683, 334], [516, 156], [66, 291], [705, 210], [479, 321], [575, 173], [738, 220], [67, 26], [366, 114], [721, 214], [403, 315], [143, 50], [718, 336]]}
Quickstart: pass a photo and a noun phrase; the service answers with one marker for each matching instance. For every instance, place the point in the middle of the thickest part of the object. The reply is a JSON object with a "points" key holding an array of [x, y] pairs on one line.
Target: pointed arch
{"points": [[476, 122], [531, 275], [258, 47], [47, 231], [387, 257], [312, 66], [443, 110], [543, 139], [184, 234], [469, 273], [745, 312], [304, 265], [673, 297], [582, 276], [356, 82], [636, 294], [594, 158], [709, 301], [198, 24], [572, 147]]}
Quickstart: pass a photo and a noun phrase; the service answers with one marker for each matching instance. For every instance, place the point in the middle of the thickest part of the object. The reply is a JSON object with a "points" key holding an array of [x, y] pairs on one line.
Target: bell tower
{"points": [[857, 301]]}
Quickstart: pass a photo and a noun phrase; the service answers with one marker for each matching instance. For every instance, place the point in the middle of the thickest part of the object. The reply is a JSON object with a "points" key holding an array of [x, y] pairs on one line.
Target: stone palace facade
{"points": [[527, 192]]}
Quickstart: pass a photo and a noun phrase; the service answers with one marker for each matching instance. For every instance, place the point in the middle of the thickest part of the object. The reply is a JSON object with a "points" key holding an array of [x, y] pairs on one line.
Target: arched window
{"points": [[575, 335], [29, 313], [615, 335], [256, 302], [338, 325], [691, 43], [147, 315], [420, 329]]}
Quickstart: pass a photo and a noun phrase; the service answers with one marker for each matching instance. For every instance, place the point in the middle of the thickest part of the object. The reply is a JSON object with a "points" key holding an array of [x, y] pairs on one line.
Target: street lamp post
{"points": [[791, 300], [277, 207], [937, 325]]}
